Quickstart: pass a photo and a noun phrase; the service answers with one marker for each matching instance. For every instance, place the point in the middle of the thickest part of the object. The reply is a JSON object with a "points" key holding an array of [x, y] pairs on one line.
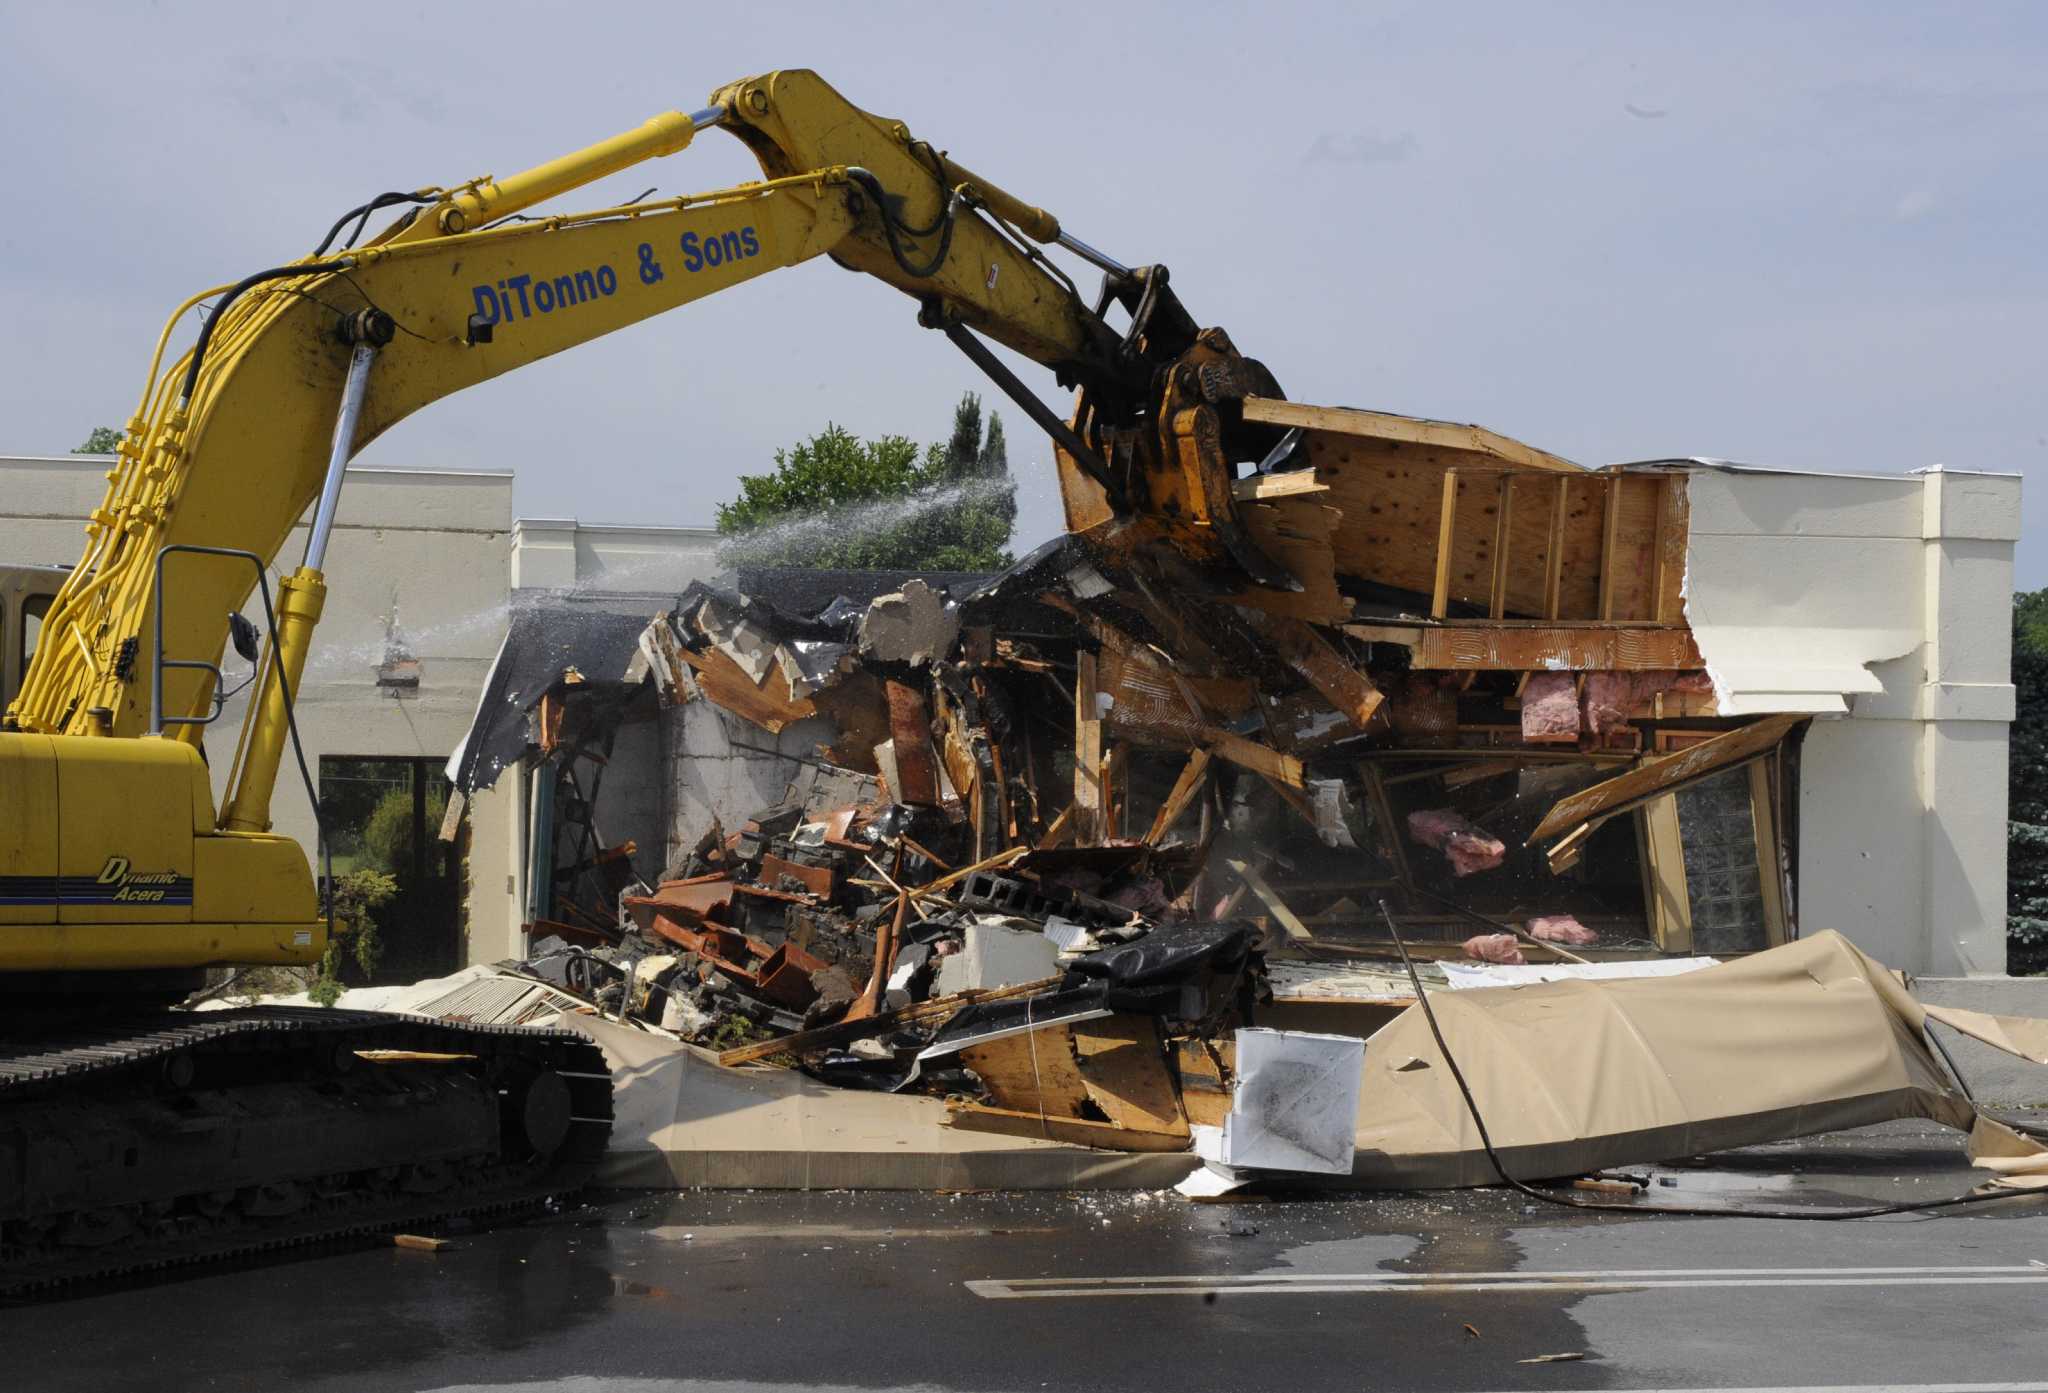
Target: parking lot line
{"points": [[1397, 1283]]}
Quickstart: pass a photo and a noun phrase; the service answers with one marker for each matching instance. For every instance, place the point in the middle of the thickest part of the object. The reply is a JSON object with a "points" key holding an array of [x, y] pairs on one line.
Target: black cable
{"points": [[304, 268], [1493, 1157], [891, 226], [361, 217], [938, 171]]}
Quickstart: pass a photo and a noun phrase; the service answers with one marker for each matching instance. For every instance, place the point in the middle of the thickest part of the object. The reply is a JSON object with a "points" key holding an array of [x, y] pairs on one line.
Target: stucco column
{"points": [[544, 554], [1969, 523]]}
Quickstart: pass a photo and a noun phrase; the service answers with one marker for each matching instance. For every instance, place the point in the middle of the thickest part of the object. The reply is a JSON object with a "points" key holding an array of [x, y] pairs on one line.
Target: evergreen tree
{"points": [[836, 501], [2026, 886]]}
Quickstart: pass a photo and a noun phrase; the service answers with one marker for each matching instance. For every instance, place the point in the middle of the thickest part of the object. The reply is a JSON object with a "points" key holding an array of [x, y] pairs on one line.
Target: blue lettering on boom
{"points": [[522, 297], [718, 248]]}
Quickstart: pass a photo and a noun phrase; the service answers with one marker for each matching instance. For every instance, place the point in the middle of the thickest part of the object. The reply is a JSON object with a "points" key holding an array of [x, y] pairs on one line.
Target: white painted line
{"points": [[1386, 1283], [1541, 1275], [1833, 1388]]}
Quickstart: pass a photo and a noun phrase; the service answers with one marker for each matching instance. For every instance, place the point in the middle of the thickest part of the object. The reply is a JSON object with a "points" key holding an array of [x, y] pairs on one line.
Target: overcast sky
{"points": [[1810, 236]]}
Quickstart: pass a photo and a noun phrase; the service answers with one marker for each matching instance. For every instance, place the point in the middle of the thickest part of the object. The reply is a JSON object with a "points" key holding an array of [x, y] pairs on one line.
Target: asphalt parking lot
{"points": [[763, 1290]]}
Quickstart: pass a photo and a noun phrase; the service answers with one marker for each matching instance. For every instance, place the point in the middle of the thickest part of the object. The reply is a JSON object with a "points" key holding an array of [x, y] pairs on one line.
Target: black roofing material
{"points": [[546, 634]]}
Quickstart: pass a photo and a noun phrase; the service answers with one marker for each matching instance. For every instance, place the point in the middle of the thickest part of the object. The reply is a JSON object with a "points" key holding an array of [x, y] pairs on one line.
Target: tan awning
{"points": [[1573, 818]]}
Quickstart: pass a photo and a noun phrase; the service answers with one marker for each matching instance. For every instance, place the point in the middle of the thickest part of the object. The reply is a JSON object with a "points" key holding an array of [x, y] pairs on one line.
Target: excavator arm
{"points": [[297, 368]]}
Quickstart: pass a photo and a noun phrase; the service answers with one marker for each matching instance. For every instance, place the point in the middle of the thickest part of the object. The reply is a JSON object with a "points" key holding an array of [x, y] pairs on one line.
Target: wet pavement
{"points": [[761, 1290]]}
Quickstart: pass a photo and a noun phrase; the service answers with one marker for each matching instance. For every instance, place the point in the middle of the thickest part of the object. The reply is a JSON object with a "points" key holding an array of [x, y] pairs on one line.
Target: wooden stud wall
{"points": [[1522, 542]]}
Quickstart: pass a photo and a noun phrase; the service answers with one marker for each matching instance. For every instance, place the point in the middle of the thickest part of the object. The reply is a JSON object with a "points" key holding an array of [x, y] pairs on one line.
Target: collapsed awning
{"points": [[1575, 818], [1574, 1076]]}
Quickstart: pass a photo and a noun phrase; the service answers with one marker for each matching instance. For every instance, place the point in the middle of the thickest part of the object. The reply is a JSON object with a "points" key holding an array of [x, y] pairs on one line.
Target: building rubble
{"points": [[1110, 852]]}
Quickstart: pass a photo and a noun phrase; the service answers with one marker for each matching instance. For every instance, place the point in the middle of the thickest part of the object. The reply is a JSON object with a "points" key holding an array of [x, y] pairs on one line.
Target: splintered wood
{"points": [[1102, 1083]]}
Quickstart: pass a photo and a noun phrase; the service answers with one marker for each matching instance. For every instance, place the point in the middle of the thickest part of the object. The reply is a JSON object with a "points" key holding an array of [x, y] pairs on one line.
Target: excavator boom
{"points": [[117, 872]]}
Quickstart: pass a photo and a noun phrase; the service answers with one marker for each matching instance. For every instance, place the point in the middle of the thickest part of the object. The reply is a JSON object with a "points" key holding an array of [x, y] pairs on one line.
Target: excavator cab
{"points": [[25, 596]]}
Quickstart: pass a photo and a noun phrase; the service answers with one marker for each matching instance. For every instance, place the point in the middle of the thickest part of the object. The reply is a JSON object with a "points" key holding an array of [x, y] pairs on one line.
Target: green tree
{"points": [[357, 898], [387, 832], [101, 442], [2026, 885], [970, 531], [836, 501]]}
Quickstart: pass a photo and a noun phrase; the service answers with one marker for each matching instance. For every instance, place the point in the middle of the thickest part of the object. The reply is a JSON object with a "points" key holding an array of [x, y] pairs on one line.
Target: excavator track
{"points": [[155, 1141]]}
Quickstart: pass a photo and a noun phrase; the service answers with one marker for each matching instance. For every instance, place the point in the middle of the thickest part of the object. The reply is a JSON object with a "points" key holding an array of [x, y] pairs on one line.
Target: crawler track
{"points": [[177, 1137]]}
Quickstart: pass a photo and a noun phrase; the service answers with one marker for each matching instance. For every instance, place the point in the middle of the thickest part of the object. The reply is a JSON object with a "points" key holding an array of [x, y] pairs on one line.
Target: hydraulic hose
{"points": [[304, 268]]}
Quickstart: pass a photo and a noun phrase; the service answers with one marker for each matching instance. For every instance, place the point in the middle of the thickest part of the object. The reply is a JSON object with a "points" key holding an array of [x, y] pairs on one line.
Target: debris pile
{"points": [[1076, 846]]}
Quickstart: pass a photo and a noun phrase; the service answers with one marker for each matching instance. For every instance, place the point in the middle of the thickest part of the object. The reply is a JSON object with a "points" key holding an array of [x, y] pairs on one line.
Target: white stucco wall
{"points": [[440, 550], [1883, 605], [563, 554], [430, 546], [654, 564]]}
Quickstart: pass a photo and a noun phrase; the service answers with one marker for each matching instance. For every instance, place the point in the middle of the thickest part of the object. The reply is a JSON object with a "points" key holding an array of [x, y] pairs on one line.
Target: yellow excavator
{"points": [[133, 1134]]}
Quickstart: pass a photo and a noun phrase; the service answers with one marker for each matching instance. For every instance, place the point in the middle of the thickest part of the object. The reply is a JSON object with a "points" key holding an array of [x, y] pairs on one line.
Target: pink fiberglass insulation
{"points": [[1469, 846], [1494, 948], [1560, 928], [1550, 707]]}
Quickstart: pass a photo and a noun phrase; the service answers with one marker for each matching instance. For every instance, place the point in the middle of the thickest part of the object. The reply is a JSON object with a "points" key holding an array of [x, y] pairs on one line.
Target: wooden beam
{"points": [[1497, 593], [1250, 754], [1553, 561], [1283, 916], [1088, 791], [1080, 1131], [1673, 518], [1316, 662], [910, 727], [1056, 831], [1551, 648], [1664, 774], [1292, 484], [1657, 553], [1610, 534], [1446, 524], [1194, 776], [952, 878], [1407, 430]]}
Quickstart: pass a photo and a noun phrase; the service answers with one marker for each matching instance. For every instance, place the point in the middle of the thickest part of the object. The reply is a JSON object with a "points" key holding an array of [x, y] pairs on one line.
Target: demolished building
{"points": [[1482, 630], [1105, 849]]}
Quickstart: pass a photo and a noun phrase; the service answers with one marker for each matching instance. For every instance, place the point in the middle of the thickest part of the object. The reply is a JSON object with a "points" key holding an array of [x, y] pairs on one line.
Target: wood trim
{"points": [[1664, 862], [1088, 790], [1412, 430], [1610, 532], [1763, 812], [1497, 588], [1558, 648], [1258, 488], [1194, 777], [1663, 774], [1446, 525], [1285, 917], [1553, 561], [1285, 770]]}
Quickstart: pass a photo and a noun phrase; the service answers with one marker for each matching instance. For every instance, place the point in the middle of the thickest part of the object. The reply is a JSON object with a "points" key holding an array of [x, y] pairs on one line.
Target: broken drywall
{"points": [[914, 625]]}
